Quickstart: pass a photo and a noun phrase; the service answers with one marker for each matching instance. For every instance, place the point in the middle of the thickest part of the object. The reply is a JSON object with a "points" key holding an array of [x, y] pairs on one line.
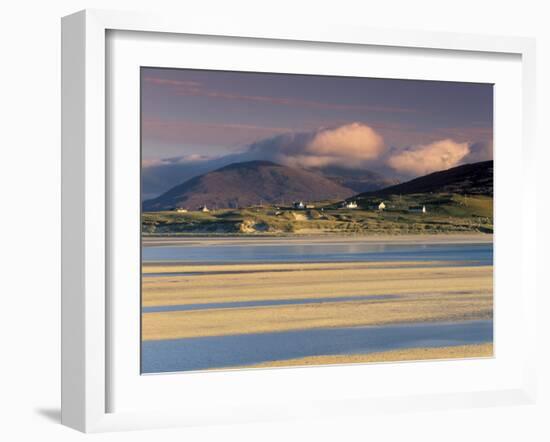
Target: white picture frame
{"points": [[87, 207]]}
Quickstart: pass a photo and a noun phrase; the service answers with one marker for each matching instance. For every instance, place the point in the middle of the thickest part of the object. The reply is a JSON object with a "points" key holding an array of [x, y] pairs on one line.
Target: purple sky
{"points": [[193, 116]]}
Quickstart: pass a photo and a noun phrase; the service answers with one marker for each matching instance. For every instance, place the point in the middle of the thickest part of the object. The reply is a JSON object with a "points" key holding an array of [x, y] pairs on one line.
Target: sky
{"points": [[194, 121]]}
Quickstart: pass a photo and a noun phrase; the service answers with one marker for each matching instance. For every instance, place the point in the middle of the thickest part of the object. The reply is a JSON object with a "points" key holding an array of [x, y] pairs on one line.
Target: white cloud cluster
{"points": [[345, 144], [352, 146], [349, 145], [427, 158], [183, 159]]}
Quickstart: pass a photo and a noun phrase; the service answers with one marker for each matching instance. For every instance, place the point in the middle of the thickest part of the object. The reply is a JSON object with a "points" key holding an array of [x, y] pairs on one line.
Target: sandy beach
{"points": [[423, 293], [184, 302], [410, 354]]}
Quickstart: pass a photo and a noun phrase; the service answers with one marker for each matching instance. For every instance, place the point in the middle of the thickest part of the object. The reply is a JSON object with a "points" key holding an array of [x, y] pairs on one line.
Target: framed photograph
{"points": [[264, 223]]}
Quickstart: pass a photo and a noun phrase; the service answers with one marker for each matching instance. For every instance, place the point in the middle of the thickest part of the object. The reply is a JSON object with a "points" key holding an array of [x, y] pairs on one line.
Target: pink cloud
{"points": [[350, 145], [427, 158], [184, 159], [354, 142]]}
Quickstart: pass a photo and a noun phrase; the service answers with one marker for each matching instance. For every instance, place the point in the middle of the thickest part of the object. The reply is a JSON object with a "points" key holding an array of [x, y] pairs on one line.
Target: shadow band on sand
{"points": [[261, 303], [249, 349]]}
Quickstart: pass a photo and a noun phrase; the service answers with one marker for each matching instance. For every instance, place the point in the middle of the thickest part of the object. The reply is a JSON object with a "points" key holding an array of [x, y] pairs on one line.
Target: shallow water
{"points": [[475, 254], [261, 303], [238, 350]]}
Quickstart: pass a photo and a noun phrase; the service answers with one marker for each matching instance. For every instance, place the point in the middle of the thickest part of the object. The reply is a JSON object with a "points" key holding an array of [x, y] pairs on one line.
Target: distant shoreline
{"points": [[443, 238]]}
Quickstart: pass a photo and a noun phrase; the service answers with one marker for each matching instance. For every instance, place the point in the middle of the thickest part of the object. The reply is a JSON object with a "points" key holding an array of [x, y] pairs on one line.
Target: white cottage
{"points": [[349, 205], [417, 209], [381, 206]]}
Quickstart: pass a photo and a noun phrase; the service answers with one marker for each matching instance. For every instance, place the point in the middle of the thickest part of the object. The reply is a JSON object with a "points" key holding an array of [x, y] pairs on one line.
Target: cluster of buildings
{"points": [[301, 205], [382, 206], [184, 210], [353, 205]]}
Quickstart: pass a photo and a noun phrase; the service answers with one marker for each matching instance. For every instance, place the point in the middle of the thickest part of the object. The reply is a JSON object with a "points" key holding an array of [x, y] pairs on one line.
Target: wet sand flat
{"points": [[234, 351], [409, 354], [424, 294], [306, 280], [364, 304], [173, 268], [219, 322]]}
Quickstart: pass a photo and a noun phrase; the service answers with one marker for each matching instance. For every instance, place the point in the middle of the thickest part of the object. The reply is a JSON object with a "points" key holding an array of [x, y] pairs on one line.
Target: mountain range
{"points": [[246, 184], [250, 183]]}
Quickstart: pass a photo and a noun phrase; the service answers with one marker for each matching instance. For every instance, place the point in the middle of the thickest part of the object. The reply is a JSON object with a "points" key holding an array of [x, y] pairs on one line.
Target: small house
{"points": [[381, 206], [204, 209], [181, 210], [299, 205], [417, 209], [349, 205]]}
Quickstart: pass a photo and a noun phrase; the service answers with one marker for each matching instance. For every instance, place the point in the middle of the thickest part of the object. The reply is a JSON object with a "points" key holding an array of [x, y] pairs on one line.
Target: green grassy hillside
{"points": [[446, 213], [468, 179]]}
